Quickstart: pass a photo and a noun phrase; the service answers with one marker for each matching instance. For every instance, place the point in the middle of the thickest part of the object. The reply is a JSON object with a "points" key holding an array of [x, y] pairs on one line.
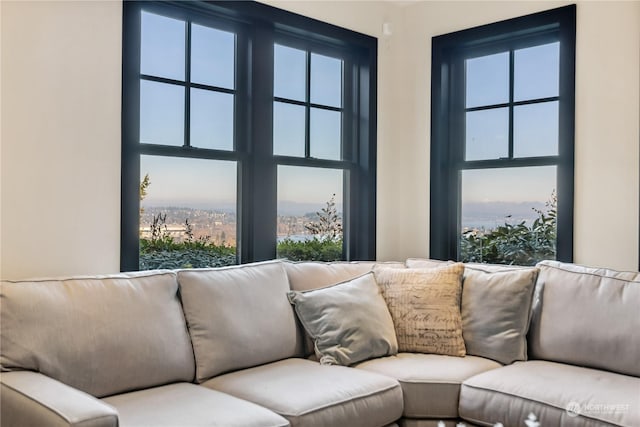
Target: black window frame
{"points": [[257, 28], [447, 120]]}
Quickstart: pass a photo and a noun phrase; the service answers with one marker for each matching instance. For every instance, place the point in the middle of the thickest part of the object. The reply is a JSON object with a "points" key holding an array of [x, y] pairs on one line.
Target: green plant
{"points": [[314, 249], [185, 257], [144, 186], [514, 243], [325, 243]]}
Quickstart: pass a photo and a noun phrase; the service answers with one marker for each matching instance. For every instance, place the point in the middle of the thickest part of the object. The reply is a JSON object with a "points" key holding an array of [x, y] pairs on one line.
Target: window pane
{"points": [[162, 46], [326, 130], [211, 119], [310, 213], [535, 130], [288, 129], [487, 134], [508, 215], [487, 80], [212, 56], [537, 72], [326, 80], [290, 73], [161, 113], [188, 215]]}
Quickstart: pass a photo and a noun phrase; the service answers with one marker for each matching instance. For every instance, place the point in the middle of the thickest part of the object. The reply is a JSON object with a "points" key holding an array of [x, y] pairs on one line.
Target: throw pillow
{"points": [[348, 322], [496, 307], [425, 308], [426, 263]]}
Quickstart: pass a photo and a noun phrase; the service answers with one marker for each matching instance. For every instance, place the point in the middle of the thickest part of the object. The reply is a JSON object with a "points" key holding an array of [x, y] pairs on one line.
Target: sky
{"points": [[536, 75], [487, 185], [205, 183]]}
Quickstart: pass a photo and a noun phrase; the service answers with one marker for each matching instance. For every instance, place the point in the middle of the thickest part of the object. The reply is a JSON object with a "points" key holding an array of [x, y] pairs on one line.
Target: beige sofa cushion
{"points": [[496, 307], [430, 382], [425, 307], [348, 322], [310, 394], [586, 316], [32, 399], [238, 316], [548, 389], [308, 275], [189, 405], [102, 335], [425, 263]]}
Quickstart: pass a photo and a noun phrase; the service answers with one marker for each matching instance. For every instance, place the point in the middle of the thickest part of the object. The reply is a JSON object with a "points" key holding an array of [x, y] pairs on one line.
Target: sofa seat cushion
{"points": [[415, 422], [556, 393], [185, 404], [310, 394], [430, 382]]}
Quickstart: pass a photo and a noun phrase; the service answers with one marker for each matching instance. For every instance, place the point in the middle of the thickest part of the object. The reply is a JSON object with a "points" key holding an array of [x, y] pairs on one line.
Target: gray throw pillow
{"points": [[348, 322], [496, 307]]}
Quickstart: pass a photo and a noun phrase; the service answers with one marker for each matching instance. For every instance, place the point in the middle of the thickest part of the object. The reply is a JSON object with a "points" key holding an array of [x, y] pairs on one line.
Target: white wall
{"points": [[60, 152], [60, 177], [607, 134]]}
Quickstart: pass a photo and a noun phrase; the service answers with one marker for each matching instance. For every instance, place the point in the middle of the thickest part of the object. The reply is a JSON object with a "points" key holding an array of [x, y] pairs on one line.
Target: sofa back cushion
{"points": [[425, 263], [238, 317], [309, 275], [103, 335], [586, 316]]}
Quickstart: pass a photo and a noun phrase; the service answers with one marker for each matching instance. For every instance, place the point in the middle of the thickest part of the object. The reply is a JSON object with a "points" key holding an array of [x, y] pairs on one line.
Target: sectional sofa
{"points": [[225, 347]]}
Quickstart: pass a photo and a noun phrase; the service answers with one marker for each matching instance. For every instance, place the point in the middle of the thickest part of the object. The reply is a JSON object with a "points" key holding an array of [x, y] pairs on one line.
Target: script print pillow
{"points": [[425, 308]]}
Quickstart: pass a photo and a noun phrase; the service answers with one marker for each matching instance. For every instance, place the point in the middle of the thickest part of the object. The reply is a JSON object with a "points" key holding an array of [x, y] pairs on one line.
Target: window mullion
{"points": [[307, 133], [261, 204], [187, 87], [511, 86]]}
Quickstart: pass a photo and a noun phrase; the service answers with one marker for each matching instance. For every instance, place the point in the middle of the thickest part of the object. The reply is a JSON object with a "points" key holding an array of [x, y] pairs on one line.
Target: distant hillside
{"points": [[491, 214], [289, 208], [285, 207], [225, 206]]}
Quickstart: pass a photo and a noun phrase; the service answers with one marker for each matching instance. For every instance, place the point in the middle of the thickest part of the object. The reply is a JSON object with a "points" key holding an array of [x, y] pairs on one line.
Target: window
{"points": [[240, 122], [311, 149], [502, 141]]}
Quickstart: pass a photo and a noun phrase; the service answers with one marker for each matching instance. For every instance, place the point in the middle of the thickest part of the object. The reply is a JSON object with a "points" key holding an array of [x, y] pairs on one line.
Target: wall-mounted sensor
{"points": [[387, 29]]}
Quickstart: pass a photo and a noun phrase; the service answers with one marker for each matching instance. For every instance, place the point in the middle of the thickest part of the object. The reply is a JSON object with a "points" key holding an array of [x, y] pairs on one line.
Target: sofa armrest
{"points": [[32, 399]]}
